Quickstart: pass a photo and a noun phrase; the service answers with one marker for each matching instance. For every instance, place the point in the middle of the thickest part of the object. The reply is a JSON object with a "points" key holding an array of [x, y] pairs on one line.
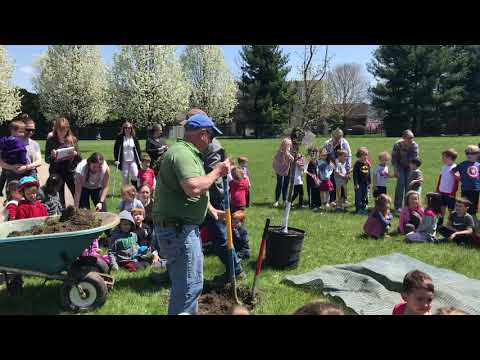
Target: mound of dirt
{"points": [[72, 219], [219, 300]]}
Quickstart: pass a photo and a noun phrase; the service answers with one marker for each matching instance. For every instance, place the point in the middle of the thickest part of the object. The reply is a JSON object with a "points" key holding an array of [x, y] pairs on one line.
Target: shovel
{"points": [[260, 258], [228, 220]]}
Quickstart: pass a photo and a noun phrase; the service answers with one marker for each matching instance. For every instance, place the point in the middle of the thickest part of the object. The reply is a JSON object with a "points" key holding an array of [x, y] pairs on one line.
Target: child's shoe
{"points": [[275, 204]]}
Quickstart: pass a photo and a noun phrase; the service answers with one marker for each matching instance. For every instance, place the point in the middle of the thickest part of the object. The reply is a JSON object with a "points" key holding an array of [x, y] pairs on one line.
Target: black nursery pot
{"points": [[283, 250]]}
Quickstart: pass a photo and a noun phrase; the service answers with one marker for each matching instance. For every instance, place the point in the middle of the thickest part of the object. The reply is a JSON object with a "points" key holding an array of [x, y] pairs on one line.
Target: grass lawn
{"points": [[330, 238]]}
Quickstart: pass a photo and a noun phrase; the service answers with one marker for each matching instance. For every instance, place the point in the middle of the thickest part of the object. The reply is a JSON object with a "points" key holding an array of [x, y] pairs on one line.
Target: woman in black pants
{"points": [[63, 166], [127, 153]]}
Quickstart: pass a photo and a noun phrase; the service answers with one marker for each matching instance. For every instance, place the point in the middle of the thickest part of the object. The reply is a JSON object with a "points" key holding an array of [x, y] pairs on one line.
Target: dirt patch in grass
{"points": [[72, 219], [219, 300]]}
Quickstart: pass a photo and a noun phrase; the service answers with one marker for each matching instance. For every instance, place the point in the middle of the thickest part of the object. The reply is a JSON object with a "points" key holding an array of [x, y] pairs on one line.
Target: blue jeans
{"points": [[361, 198], [217, 232], [183, 250], [402, 186]]}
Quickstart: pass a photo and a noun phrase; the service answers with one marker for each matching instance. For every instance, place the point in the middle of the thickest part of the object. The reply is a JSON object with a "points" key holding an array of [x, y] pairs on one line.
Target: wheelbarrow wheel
{"points": [[94, 293]]}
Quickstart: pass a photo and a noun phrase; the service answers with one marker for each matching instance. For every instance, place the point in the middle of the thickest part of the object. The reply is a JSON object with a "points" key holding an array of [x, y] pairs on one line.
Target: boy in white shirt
{"points": [[381, 174], [341, 179], [447, 184], [298, 181]]}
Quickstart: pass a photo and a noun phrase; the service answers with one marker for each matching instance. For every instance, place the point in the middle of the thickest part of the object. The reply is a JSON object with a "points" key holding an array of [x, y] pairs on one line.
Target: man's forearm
{"points": [[199, 185]]}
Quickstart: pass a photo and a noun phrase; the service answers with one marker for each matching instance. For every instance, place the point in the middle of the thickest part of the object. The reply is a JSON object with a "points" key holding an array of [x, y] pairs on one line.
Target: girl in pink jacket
{"points": [[411, 216]]}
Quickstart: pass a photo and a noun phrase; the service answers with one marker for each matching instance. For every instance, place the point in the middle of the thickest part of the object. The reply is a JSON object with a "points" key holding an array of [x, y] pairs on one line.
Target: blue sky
{"points": [[23, 57]]}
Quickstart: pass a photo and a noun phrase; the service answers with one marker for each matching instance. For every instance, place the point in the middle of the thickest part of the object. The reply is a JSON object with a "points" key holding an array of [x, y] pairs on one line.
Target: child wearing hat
{"points": [[30, 207]]}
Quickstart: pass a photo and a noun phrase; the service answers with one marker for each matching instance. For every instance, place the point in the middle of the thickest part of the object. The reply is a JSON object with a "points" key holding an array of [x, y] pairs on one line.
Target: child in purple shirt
{"points": [[13, 149]]}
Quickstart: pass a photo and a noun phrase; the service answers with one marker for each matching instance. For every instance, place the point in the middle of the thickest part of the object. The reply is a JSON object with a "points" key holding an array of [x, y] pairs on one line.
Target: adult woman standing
{"points": [[332, 145], [156, 145], [281, 166], [64, 166], [34, 157], [127, 153], [403, 151], [91, 182]]}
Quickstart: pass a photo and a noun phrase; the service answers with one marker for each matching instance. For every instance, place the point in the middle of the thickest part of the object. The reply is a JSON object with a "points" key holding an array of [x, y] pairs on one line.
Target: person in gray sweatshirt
{"points": [[404, 150]]}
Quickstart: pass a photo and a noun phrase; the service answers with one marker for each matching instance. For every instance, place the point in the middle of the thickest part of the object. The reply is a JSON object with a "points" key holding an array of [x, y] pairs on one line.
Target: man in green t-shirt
{"points": [[181, 203]]}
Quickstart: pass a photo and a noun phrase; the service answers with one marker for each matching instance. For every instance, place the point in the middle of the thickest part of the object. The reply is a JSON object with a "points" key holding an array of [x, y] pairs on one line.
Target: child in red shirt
{"points": [[417, 294], [238, 190], [146, 176], [11, 203], [30, 207]]}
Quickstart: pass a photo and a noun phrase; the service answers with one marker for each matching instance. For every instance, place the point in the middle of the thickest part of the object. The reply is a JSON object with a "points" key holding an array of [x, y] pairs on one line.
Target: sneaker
{"points": [[333, 204], [339, 210], [304, 206], [316, 209], [327, 205], [275, 204]]}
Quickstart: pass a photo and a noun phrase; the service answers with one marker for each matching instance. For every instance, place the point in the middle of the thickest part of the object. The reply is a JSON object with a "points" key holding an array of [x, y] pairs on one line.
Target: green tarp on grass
{"points": [[372, 287]]}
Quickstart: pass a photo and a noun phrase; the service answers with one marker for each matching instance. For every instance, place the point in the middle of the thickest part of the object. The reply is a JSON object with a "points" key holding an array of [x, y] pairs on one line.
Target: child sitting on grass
{"points": [[11, 202], [361, 181], [460, 224], [417, 294], [50, 196], [240, 235], [415, 179], [378, 223], [124, 250], [319, 308], [30, 207], [144, 237], [411, 215], [447, 184], [427, 229], [381, 174], [129, 201]]}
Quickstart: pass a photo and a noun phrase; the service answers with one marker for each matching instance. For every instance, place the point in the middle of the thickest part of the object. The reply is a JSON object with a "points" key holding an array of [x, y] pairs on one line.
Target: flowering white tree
{"points": [[9, 96], [147, 85], [71, 81], [213, 87]]}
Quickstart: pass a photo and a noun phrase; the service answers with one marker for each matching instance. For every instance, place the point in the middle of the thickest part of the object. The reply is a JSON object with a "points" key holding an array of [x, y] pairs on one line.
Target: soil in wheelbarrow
{"points": [[72, 219], [219, 300]]}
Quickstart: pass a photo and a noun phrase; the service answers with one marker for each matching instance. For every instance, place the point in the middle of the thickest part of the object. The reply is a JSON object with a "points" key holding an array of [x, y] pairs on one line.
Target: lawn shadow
{"points": [[143, 285], [34, 299]]}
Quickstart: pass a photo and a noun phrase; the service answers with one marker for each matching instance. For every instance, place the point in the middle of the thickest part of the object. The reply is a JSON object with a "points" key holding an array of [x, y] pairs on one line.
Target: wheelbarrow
{"points": [[57, 257]]}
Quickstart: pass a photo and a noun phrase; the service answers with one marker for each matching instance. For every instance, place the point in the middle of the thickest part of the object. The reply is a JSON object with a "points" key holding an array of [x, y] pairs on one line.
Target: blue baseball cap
{"points": [[202, 121]]}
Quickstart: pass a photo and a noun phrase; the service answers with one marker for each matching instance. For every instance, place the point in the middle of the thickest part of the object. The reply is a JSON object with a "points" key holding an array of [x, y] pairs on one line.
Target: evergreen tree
{"points": [[264, 86], [419, 86]]}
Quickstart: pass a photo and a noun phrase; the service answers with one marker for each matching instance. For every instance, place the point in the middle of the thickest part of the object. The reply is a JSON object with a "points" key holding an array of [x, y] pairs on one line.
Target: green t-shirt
{"points": [[183, 160]]}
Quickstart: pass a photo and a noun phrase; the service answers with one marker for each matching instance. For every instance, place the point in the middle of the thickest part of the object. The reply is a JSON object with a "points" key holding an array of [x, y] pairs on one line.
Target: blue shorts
{"points": [[448, 201]]}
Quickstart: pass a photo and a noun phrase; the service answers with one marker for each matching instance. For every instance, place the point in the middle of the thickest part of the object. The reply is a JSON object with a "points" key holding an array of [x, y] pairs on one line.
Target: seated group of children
{"points": [[420, 224]]}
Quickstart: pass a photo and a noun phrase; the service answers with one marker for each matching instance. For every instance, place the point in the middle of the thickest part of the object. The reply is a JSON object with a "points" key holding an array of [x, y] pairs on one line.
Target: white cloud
{"points": [[28, 69]]}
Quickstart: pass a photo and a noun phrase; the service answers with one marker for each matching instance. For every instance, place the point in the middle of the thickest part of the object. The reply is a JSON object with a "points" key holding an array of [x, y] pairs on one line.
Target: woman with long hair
{"points": [[63, 155], [127, 153], [91, 182]]}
